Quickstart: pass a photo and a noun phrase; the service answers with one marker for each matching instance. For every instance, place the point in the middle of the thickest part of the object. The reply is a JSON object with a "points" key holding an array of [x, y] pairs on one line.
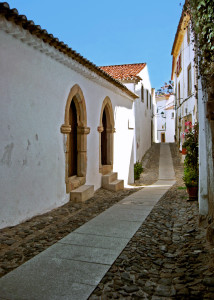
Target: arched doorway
{"points": [[72, 159], [106, 130], [75, 131], [104, 141]]}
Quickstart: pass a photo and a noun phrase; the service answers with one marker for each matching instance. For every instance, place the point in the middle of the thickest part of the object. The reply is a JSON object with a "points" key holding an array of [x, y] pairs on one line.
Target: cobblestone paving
{"points": [[168, 257], [22, 242]]}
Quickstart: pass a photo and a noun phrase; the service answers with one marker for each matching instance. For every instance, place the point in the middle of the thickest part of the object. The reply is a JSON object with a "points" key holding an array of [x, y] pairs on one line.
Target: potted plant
{"points": [[191, 168], [191, 181]]}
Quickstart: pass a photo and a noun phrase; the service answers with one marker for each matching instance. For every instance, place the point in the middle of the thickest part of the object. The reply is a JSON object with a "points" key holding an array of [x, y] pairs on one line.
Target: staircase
{"points": [[82, 193], [111, 183]]}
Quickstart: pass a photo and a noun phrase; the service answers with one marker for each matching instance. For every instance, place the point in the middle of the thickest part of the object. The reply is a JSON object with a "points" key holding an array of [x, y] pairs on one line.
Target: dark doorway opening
{"points": [[162, 137], [72, 163], [104, 140]]}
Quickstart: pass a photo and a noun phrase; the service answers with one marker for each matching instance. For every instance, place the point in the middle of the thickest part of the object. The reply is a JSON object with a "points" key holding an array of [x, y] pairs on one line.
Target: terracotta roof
{"points": [[170, 107], [12, 15], [179, 36], [124, 72]]}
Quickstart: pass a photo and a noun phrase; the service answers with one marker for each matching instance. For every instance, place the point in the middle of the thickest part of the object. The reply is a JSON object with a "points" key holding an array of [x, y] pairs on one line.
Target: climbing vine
{"points": [[202, 19]]}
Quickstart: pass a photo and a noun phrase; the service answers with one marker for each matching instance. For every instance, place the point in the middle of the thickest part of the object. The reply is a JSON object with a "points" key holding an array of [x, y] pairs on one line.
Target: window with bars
{"points": [[178, 70], [189, 80], [147, 97], [179, 93], [142, 93]]}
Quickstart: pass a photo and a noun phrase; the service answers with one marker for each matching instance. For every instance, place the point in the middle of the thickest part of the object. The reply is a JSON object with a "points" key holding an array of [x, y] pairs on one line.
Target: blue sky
{"points": [[112, 32]]}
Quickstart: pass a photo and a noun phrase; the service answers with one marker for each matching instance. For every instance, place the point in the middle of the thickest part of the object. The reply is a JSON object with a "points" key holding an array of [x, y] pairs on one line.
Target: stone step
{"points": [[108, 178], [82, 193], [115, 185]]}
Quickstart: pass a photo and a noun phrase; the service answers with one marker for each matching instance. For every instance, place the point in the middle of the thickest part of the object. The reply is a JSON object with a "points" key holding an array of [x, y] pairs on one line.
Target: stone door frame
{"points": [[77, 96], [107, 106]]}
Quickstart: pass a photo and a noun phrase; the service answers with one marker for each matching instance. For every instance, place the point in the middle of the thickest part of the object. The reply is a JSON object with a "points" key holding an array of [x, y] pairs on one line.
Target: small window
{"points": [[179, 94], [189, 80], [142, 93], [147, 98], [173, 115], [178, 71]]}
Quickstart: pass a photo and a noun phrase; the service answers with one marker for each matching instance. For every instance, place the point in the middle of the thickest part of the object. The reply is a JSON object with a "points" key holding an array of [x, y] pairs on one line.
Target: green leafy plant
{"points": [[191, 167], [138, 169], [202, 19], [190, 177]]}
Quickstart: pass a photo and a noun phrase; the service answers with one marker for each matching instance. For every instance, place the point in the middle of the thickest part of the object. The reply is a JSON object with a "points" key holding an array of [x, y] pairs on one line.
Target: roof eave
{"points": [[12, 15]]}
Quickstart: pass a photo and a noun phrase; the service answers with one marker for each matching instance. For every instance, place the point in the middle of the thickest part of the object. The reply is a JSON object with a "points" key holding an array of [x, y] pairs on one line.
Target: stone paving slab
{"points": [[123, 229], [166, 170], [77, 290], [123, 215], [46, 277], [72, 271], [92, 240], [82, 253]]}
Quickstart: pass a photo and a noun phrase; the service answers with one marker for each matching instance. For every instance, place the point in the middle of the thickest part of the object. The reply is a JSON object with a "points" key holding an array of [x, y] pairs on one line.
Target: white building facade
{"points": [[64, 122], [136, 78], [194, 104], [165, 118], [185, 77]]}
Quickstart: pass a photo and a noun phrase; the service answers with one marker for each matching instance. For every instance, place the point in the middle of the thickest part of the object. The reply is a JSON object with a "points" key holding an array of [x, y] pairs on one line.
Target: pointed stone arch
{"points": [[106, 138], [76, 107]]}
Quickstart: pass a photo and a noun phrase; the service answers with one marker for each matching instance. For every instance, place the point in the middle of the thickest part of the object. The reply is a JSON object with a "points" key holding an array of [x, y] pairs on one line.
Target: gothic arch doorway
{"points": [[72, 158], [75, 132], [106, 130]]}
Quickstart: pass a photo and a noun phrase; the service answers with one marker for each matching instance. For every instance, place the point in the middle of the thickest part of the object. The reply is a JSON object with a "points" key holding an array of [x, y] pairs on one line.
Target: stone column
{"points": [[82, 150], [66, 130]]}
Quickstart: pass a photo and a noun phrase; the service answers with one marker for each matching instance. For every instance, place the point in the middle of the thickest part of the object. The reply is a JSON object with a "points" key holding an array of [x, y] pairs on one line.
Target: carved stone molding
{"points": [[83, 130], [100, 129], [110, 130], [65, 129]]}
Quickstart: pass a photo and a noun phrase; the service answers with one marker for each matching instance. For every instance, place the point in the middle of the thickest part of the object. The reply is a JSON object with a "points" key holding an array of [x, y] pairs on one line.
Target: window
{"points": [[189, 81], [179, 94], [142, 93], [188, 34], [147, 98], [178, 71], [172, 115]]}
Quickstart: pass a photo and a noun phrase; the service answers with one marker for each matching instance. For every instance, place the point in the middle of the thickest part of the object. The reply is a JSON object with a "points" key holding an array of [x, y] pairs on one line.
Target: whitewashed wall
{"points": [[189, 106], [204, 144], [34, 90], [143, 116], [166, 121]]}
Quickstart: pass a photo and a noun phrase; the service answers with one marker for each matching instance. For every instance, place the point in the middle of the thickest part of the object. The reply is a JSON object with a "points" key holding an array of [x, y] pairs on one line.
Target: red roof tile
{"points": [[121, 72]]}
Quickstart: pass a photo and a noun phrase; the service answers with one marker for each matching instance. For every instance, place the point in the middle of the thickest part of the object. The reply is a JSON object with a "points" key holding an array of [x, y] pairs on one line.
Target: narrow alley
{"points": [[167, 257]]}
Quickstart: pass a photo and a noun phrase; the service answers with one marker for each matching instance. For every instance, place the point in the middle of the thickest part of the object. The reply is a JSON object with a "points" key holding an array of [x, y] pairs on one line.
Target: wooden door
{"points": [[72, 162], [162, 137]]}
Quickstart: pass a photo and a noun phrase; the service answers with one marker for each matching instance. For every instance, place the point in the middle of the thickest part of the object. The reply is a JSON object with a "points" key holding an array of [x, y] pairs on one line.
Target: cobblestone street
{"points": [[167, 258]]}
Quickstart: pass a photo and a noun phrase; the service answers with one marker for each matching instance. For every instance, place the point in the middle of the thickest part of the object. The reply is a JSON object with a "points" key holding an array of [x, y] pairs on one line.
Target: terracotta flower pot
{"points": [[184, 151], [193, 192]]}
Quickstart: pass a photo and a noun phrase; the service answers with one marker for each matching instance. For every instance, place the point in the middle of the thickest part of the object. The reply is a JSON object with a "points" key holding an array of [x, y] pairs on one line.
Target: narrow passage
{"points": [[74, 266]]}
